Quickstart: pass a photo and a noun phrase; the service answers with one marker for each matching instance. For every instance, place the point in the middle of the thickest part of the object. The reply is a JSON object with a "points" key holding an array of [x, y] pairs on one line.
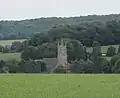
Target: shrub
{"points": [[1, 48], [119, 49], [116, 67], [111, 51], [5, 50], [114, 59], [60, 69]]}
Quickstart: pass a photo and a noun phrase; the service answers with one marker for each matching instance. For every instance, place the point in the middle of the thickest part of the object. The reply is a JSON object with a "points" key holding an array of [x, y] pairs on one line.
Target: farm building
{"points": [[103, 49]]}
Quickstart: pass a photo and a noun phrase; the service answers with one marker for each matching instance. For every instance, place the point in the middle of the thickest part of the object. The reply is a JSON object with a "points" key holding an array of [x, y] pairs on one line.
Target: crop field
{"points": [[9, 42], [8, 56], [59, 86]]}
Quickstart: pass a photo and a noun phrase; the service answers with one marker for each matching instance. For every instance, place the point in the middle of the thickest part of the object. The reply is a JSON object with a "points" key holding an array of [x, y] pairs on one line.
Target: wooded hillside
{"points": [[27, 28]]}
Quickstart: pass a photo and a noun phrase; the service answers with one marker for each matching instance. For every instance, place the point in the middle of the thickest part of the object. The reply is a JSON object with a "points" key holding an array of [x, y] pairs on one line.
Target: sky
{"points": [[30, 9]]}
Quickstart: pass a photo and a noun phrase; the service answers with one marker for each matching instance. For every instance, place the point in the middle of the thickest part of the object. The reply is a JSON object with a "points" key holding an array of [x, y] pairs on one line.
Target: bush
{"points": [[114, 59], [119, 49], [17, 46], [60, 69], [5, 50], [1, 48], [82, 66], [111, 51], [116, 67], [13, 65], [105, 66], [29, 53]]}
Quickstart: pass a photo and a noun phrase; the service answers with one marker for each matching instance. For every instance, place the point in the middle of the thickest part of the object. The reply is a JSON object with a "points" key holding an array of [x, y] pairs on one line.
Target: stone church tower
{"points": [[61, 54]]}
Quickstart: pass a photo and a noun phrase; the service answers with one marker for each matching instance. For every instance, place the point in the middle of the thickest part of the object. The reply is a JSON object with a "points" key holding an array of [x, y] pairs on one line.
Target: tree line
{"points": [[105, 33], [90, 34], [79, 60], [26, 29]]}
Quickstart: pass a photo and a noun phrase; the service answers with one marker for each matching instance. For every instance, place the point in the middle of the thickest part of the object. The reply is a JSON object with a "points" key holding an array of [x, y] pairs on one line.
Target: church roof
{"points": [[50, 63]]}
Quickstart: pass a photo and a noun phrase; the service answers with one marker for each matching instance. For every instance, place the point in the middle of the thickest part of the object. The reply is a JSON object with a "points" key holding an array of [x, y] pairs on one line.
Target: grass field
{"points": [[7, 56], [9, 42], [59, 86]]}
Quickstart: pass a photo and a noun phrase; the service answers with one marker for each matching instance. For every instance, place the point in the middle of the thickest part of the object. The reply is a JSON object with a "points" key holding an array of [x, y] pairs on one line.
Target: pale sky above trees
{"points": [[26, 9]]}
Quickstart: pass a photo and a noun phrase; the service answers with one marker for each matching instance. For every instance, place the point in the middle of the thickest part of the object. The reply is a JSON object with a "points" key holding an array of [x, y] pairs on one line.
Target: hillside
{"points": [[27, 28]]}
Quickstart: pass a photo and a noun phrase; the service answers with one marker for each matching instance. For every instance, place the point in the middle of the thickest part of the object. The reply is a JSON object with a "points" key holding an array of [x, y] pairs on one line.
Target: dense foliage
{"points": [[22, 66], [79, 60], [87, 33], [27, 28], [79, 35]]}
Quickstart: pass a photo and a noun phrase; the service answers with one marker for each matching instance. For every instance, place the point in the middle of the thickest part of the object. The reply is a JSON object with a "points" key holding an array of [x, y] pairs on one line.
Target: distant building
{"points": [[8, 47], [61, 60], [103, 49]]}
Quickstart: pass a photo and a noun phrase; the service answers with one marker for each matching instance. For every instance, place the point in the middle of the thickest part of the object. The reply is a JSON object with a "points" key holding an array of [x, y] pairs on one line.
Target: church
{"points": [[61, 60]]}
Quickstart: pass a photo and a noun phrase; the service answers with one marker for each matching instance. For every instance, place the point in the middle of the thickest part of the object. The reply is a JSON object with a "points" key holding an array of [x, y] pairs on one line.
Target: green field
{"points": [[8, 42], [59, 86], [7, 56]]}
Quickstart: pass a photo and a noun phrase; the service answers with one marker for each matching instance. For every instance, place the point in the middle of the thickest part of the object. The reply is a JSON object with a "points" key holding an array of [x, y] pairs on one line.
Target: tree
{"points": [[105, 66], [1, 48], [100, 64], [60, 69], [82, 66], [13, 65], [22, 65], [46, 50], [2, 66], [96, 49], [5, 50], [0, 28], [43, 66], [29, 53], [76, 67], [111, 51], [119, 49], [114, 59], [95, 58], [17, 46], [76, 50], [116, 67], [32, 67]]}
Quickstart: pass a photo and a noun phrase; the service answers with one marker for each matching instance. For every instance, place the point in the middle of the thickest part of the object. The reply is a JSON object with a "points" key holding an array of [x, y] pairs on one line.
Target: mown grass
{"points": [[59, 86], [8, 56]]}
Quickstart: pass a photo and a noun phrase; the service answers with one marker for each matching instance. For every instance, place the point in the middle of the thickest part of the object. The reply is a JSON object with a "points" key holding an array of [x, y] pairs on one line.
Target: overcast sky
{"points": [[26, 9]]}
